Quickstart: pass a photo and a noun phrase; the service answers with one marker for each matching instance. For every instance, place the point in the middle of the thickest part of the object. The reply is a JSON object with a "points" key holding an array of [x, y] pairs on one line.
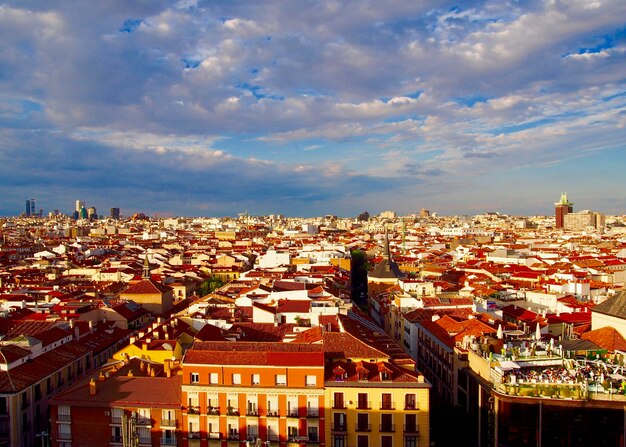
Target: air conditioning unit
{"points": [[107, 413]]}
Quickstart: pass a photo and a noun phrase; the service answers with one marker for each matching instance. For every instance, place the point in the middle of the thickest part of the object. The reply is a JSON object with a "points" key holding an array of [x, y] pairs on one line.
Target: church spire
{"points": [[146, 268]]}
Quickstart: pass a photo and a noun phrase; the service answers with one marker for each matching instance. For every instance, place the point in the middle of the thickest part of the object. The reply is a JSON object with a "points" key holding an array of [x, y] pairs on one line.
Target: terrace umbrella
{"points": [[538, 332], [500, 334]]}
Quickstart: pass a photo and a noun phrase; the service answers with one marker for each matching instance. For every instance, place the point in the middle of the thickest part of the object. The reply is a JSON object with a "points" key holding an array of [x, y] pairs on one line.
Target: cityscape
{"points": [[373, 330], [326, 223]]}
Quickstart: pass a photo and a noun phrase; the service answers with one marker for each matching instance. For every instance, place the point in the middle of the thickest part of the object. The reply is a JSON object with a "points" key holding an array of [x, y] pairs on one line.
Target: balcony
{"points": [[363, 427], [233, 436], [252, 412], [293, 438], [411, 406], [213, 410], [387, 428], [168, 441], [193, 434], [193, 409], [64, 436], [411, 430], [144, 421], [168, 422], [339, 428], [364, 405], [214, 435], [273, 438], [116, 439], [272, 414], [145, 441], [312, 413], [339, 405], [292, 414], [387, 405], [313, 439], [232, 411], [116, 420]]}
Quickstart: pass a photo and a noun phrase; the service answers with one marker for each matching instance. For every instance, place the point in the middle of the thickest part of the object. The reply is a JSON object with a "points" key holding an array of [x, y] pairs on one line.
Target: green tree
{"points": [[210, 285]]}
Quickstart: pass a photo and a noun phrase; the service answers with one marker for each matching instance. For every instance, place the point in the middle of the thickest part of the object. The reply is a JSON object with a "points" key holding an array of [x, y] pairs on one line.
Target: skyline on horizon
{"points": [[195, 108]]}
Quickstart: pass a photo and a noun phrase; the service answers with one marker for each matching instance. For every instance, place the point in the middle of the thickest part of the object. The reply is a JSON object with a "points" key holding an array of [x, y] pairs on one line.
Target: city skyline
{"points": [[197, 108]]}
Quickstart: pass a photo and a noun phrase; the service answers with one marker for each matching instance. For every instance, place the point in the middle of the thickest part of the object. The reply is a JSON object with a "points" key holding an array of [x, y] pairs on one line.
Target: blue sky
{"points": [[211, 108]]}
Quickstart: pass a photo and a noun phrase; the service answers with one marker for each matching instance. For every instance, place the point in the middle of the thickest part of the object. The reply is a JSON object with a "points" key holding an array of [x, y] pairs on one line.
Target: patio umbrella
{"points": [[500, 334], [538, 332]]}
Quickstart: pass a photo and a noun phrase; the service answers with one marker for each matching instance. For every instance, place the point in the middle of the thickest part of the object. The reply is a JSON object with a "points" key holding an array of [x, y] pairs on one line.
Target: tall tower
{"points": [[79, 204], [27, 207], [561, 208]]}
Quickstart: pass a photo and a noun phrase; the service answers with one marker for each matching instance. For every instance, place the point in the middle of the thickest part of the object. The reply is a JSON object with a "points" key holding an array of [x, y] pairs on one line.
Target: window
{"points": [[213, 378], [64, 413], [362, 402], [386, 441], [194, 378], [281, 379], [410, 423], [236, 379], [116, 434], [292, 433], [386, 423], [311, 380], [312, 434], [386, 403], [256, 379], [143, 416], [3, 405], [116, 415], [362, 422], [65, 431], [339, 441], [168, 436], [339, 421], [410, 441], [338, 400], [362, 441], [312, 406], [144, 435], [168, 418], [409, 402], [292, 406]]}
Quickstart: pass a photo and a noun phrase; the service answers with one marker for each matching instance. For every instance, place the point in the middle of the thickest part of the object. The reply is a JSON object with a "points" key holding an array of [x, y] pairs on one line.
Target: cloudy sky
{"points": [[211, 108]]}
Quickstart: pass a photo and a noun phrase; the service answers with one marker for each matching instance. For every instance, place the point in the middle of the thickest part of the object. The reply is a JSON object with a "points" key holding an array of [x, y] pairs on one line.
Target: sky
{"points": [[306, 108]]}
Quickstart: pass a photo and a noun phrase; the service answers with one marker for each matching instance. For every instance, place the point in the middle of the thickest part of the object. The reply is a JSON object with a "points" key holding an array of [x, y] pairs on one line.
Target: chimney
{"points": [[167, 369], [101, 377], [76, 333], [142, 366], [92, 387], [71, 323], [133, 339], [159, 320]]}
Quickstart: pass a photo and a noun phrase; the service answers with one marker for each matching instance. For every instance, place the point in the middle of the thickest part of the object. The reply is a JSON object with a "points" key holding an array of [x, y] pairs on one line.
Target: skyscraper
{"points": [[115, 213], [79, 204], [30, 207], [561, 208]]}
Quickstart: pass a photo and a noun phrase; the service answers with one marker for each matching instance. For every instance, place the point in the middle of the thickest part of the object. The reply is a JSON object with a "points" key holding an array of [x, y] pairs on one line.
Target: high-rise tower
{"points": [[561, 208]]}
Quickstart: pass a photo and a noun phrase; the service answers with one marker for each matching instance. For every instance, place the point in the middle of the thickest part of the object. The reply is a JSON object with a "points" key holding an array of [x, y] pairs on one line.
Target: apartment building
{"points": [[133, 402], [235, 392]]}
